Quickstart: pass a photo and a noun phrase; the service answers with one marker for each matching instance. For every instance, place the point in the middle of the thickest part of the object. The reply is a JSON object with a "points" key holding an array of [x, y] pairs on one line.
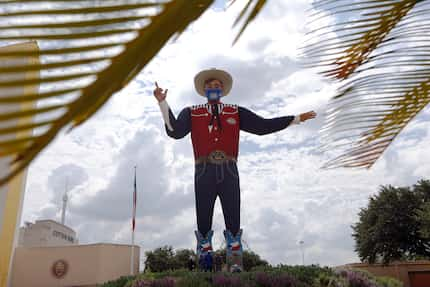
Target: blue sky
{"points": [[286, 197]]}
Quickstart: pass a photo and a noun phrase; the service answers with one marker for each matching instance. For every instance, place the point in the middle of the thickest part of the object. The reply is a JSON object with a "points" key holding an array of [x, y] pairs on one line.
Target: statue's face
{"points": [[213, 90], [213, 84]]}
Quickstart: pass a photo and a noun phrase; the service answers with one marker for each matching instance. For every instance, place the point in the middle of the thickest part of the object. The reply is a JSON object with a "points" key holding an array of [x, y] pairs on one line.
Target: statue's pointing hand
{"points": [[159, 93], [307, 116]]}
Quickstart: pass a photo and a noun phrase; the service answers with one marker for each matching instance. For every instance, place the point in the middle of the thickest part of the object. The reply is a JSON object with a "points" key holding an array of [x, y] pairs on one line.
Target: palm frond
{"points": [[88, 51], [381, 51], [365, 122], [257, 6], [344, 46], [14, 134]]}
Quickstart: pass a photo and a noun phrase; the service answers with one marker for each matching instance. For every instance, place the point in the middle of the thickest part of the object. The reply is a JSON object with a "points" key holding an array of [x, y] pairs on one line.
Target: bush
{"points": [[120, 282], [194, 280], [355, 278], [274, 280], [170, 273], [164, 282], [223, 280], [279, 276], [388, 282], [305, 275]]}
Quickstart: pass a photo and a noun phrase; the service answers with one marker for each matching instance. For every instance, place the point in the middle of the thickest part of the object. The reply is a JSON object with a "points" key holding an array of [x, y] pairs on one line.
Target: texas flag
{"points": [[235, 246], [206, 246]]}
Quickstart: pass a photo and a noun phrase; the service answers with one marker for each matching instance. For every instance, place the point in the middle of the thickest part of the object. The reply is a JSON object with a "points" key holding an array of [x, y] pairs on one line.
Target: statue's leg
{"points": [[229, 193], [205, 195], [204, 245], [234, 250]]}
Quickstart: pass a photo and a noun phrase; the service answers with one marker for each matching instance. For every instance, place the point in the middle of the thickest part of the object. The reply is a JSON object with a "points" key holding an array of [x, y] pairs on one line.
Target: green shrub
{"points": [[388, 282], [263, 276], [169, 273], [354, 278], [120, 282], [193, 280], [326, 280]]}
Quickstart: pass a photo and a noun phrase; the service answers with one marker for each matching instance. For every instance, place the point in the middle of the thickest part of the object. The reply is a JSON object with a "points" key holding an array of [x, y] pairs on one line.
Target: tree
{"points": [[166, 258], [161, 259], [251, 260], [182, 256], [391, 226], [424, 216], [423, 189]]}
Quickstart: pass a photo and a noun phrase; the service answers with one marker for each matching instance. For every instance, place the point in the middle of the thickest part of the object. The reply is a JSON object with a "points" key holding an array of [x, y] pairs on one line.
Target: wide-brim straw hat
{"points": [[223, 76]]}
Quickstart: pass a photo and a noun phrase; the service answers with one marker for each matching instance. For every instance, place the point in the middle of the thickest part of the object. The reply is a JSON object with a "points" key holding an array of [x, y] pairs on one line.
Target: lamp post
{"points": [[301, 242]]}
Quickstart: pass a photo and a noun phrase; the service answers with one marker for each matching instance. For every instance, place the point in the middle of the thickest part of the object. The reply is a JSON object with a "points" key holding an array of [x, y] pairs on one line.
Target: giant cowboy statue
{"points": [[214, 128]]}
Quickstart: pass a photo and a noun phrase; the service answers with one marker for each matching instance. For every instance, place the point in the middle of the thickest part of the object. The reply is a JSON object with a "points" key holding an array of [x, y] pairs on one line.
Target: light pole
{"points": [[301, 242]]}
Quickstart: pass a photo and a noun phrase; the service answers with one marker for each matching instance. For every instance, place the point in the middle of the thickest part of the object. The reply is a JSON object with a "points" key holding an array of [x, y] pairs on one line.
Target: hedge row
{"points": [[280, 276]]}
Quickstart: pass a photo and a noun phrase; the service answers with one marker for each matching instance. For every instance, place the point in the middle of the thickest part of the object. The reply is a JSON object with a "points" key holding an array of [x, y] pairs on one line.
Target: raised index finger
{"points": [[156, 84]]}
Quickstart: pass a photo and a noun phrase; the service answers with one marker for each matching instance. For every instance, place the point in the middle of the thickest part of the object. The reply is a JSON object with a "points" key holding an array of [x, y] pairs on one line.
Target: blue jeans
{"points": [[212, 180]]}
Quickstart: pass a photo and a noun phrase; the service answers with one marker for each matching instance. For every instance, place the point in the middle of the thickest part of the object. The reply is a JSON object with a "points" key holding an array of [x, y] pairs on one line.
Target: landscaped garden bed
{"points": [[280, 276]]}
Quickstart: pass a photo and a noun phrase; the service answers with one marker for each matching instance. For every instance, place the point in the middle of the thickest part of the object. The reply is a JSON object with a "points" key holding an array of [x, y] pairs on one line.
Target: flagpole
{"points": [[133, 224], [132, 254]]}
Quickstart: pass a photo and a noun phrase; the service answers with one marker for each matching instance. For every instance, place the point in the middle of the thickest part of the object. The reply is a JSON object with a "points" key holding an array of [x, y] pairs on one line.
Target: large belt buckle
{"points": [[217, 157]]}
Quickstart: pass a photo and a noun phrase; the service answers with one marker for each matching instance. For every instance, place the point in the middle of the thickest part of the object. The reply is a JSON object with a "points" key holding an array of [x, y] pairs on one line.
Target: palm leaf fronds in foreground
{"points": [[380, 51], [88, 51]]}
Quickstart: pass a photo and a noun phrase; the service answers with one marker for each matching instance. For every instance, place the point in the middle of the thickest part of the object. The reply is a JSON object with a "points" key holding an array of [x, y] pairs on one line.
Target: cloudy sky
{"points": [[286, 196]]}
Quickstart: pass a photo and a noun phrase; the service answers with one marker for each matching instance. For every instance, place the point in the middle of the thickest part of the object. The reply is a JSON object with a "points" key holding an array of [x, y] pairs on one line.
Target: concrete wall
{"points": [[46, 233], [88, 265], [398, 270]]}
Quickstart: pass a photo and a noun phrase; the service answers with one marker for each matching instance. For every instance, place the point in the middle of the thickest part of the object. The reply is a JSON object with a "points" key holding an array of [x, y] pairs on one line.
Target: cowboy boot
{"points": [[204, 243], [234, 250]]}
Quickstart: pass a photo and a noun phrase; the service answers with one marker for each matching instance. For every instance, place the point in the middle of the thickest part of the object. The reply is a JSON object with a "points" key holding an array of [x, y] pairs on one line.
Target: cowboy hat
{"points": [[203, 76]]}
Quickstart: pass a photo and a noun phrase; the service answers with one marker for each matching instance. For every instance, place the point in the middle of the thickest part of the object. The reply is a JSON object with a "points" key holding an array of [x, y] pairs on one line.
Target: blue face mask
{"points": [[213, 94]]}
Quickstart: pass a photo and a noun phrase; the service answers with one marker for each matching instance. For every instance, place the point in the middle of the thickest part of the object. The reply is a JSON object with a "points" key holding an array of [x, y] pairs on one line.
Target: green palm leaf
{"points": [[88, 51], [346, 45], [252, 13], [381, 50]]}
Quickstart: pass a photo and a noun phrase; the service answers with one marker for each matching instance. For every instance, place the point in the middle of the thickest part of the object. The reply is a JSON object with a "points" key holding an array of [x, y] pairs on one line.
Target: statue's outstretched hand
{"points": [[307, 116], [159, 93]]}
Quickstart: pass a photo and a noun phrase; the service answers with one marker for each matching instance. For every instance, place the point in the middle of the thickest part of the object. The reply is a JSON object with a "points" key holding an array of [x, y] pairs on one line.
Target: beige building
{"points": [[46, 233], [72, 265], [48, 255]]}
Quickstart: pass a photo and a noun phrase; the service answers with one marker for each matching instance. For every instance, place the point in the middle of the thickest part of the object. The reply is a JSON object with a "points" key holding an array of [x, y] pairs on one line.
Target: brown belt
{"points": [[215, 157]]}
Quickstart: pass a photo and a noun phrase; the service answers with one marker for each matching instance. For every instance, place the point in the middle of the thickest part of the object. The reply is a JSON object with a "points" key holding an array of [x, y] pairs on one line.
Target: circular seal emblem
{"points": [[59, 268], [231, 121]]}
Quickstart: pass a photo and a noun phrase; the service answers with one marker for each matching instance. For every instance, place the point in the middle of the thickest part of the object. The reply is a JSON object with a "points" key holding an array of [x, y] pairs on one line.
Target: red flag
{"points": [[134, 201]]}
